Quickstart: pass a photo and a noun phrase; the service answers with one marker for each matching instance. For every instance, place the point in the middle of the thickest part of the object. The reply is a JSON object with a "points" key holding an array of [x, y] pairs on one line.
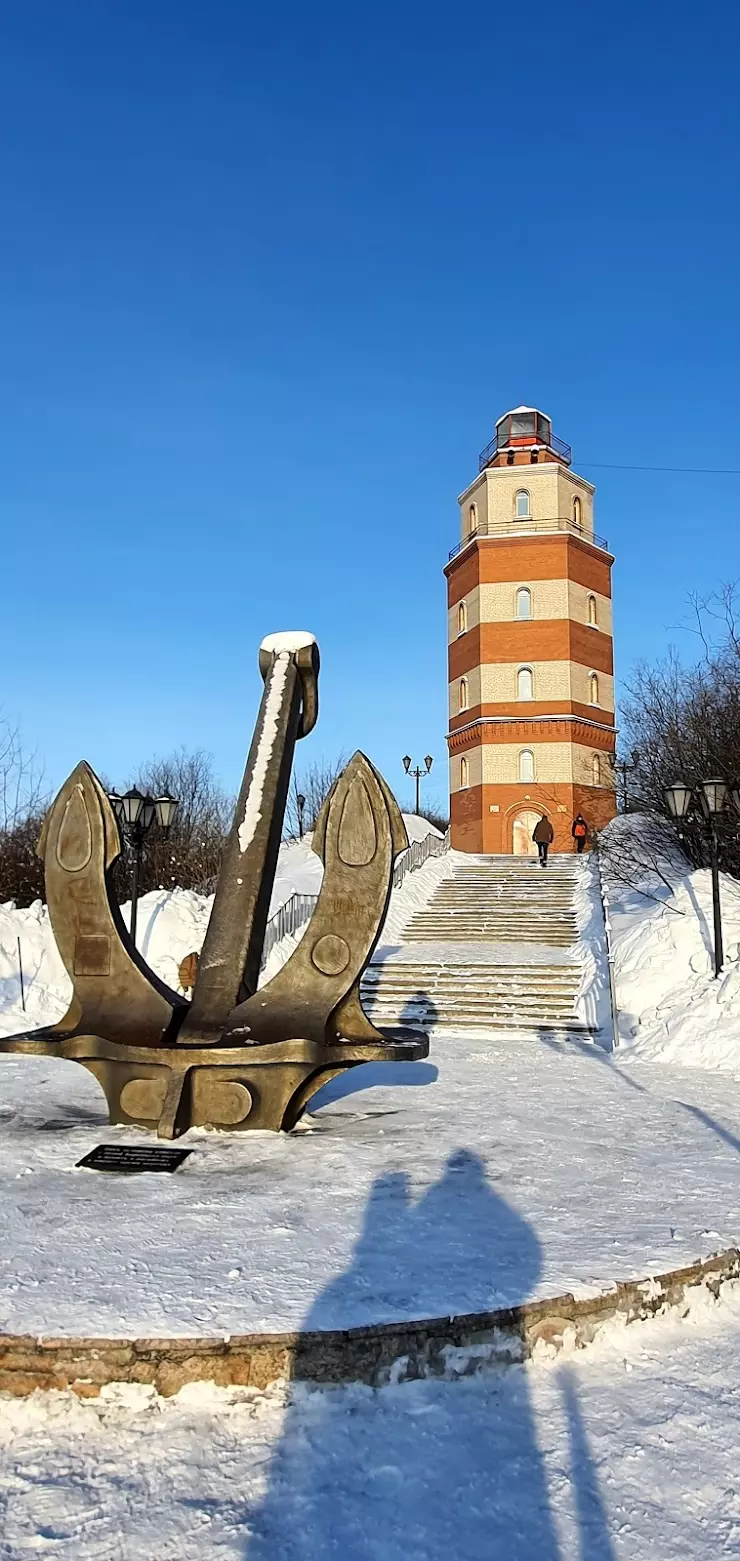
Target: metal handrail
{"points": [[291, 915], [299, 908], [521, 527], [558, 446], [418, 853]]}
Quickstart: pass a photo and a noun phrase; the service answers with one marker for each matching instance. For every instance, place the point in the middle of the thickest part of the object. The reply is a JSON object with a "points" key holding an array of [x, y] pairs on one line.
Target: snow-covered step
{"points": [[501, 900], [490, 932], [490, 951]]}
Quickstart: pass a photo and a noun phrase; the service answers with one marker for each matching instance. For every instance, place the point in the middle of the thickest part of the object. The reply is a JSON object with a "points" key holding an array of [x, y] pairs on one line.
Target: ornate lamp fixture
{"points": [[135, 815], [418, 772], [710, 800]]}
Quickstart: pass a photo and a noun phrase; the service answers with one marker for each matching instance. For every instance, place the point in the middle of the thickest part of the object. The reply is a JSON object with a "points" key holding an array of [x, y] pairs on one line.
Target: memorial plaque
{"points": [[130, 1158]]}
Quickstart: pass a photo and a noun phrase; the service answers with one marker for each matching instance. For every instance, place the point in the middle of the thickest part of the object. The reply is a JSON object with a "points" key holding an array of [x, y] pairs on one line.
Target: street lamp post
{"points": [[625, 769], [712, 799], [136, 814], [300, 803], [418, 772]]}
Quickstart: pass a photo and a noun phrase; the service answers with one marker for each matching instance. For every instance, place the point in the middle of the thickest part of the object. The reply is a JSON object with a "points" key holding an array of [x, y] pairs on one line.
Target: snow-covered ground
{"points": [[498, 1171], [626, 1451], [495, 1172], [671, 1006]]}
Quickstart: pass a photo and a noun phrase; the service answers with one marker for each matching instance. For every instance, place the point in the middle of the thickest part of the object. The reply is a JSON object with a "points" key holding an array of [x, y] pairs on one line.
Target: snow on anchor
{"points": [[233, 1057]]}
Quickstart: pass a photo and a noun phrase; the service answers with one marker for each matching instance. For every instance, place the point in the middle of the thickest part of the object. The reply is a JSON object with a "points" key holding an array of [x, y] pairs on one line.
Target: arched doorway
{"points": [[522, 842]]}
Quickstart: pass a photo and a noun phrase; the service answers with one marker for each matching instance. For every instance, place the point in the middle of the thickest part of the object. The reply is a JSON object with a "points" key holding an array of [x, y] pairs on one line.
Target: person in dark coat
{"points": [[579, 832], [543, 836]]}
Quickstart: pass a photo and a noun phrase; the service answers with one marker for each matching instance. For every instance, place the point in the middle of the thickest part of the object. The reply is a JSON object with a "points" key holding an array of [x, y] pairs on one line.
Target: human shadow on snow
{"points": [[423, 1471]]}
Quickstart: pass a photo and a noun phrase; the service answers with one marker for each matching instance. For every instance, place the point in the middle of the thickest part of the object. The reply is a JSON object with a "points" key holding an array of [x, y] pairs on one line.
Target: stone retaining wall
{"points": [[389, 1352]]}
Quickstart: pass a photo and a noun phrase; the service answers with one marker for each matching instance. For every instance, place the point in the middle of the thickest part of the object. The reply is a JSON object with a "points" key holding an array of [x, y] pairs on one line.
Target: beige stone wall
{"points": [[551, 680], [474, 691], [476, 494], [504, 483], [474, 757], [498, 600], [472, 607], [551, 488], [497, 764], [552, 762], [551, 599], [582, 692], [578, 607], [496, 683], [569, 484]]}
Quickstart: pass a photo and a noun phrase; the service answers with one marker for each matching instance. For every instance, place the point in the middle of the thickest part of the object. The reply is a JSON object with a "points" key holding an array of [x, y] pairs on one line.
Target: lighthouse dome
{"points": [[522, 426], [522, 434]]}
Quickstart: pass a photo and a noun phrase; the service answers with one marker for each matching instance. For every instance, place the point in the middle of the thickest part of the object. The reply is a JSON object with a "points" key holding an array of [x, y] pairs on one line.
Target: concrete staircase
{"points": [[492, 951], [501, 899]]}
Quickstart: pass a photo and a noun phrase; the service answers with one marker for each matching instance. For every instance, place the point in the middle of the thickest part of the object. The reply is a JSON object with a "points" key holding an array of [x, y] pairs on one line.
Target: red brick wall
{"points": [[475, 828], [539, 557]]}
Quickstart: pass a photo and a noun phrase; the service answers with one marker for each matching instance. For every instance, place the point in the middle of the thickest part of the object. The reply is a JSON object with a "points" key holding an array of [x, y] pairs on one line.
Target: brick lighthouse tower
{"points": [[531, 688]]}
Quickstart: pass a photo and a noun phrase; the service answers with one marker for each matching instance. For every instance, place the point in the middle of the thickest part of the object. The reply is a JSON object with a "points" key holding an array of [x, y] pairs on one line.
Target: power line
{"points": [[702, 471]]}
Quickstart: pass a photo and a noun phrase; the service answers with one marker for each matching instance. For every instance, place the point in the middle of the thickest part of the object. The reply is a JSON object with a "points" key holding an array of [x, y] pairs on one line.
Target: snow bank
{"points": [[170, 924], [593, 1003], [417, 828], [671, 1007], [626, 1452]]}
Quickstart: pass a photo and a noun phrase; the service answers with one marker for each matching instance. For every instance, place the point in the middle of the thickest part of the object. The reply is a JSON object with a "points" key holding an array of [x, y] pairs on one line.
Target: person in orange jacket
{"points": [[579, 832]]}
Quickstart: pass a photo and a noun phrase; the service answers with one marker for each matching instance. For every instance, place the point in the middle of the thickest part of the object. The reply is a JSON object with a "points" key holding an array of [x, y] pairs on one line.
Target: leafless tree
{"points": [[643, 858], [189, 855], [314, 782], [684, 722], [22, 807], [21, 777]]}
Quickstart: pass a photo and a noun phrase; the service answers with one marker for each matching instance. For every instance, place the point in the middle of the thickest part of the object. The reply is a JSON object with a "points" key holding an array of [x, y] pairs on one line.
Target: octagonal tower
{"points": [[531, 687]]}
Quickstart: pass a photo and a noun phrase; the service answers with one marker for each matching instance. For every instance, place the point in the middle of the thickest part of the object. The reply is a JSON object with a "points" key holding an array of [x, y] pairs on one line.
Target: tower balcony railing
{"points": [[521, 527], [558, 446]]}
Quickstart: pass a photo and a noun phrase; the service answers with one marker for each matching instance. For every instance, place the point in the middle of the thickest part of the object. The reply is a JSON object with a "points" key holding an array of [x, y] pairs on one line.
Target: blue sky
{"points": [[268, 276]]}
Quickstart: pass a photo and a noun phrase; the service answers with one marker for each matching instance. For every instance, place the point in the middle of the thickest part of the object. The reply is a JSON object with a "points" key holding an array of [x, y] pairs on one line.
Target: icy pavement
{"points": [[624, 1452], [525, 1168]]}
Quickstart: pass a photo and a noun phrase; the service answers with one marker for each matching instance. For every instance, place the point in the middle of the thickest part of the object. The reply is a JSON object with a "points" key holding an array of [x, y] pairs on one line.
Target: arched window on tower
{"points": [[462, 618], [523, 602], [463, 772], [463, 695], [592, 611], [526, 765], [522, 508], [524, 683], [472, 519], [577, 512], [593, 689], [596, 770]]}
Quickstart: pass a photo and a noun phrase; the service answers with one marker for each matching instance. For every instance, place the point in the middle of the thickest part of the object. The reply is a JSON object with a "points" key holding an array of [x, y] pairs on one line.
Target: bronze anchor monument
{"points": [[237, 1056]]}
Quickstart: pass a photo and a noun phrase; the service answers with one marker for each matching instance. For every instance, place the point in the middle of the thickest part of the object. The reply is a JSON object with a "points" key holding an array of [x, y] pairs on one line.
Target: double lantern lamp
{"points": [[417, 772], [711, 798], [136, 813]]}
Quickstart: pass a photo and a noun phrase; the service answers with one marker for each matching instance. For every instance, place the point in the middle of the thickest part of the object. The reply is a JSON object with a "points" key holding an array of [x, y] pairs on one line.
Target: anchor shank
{"points": [[229, 964]]}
